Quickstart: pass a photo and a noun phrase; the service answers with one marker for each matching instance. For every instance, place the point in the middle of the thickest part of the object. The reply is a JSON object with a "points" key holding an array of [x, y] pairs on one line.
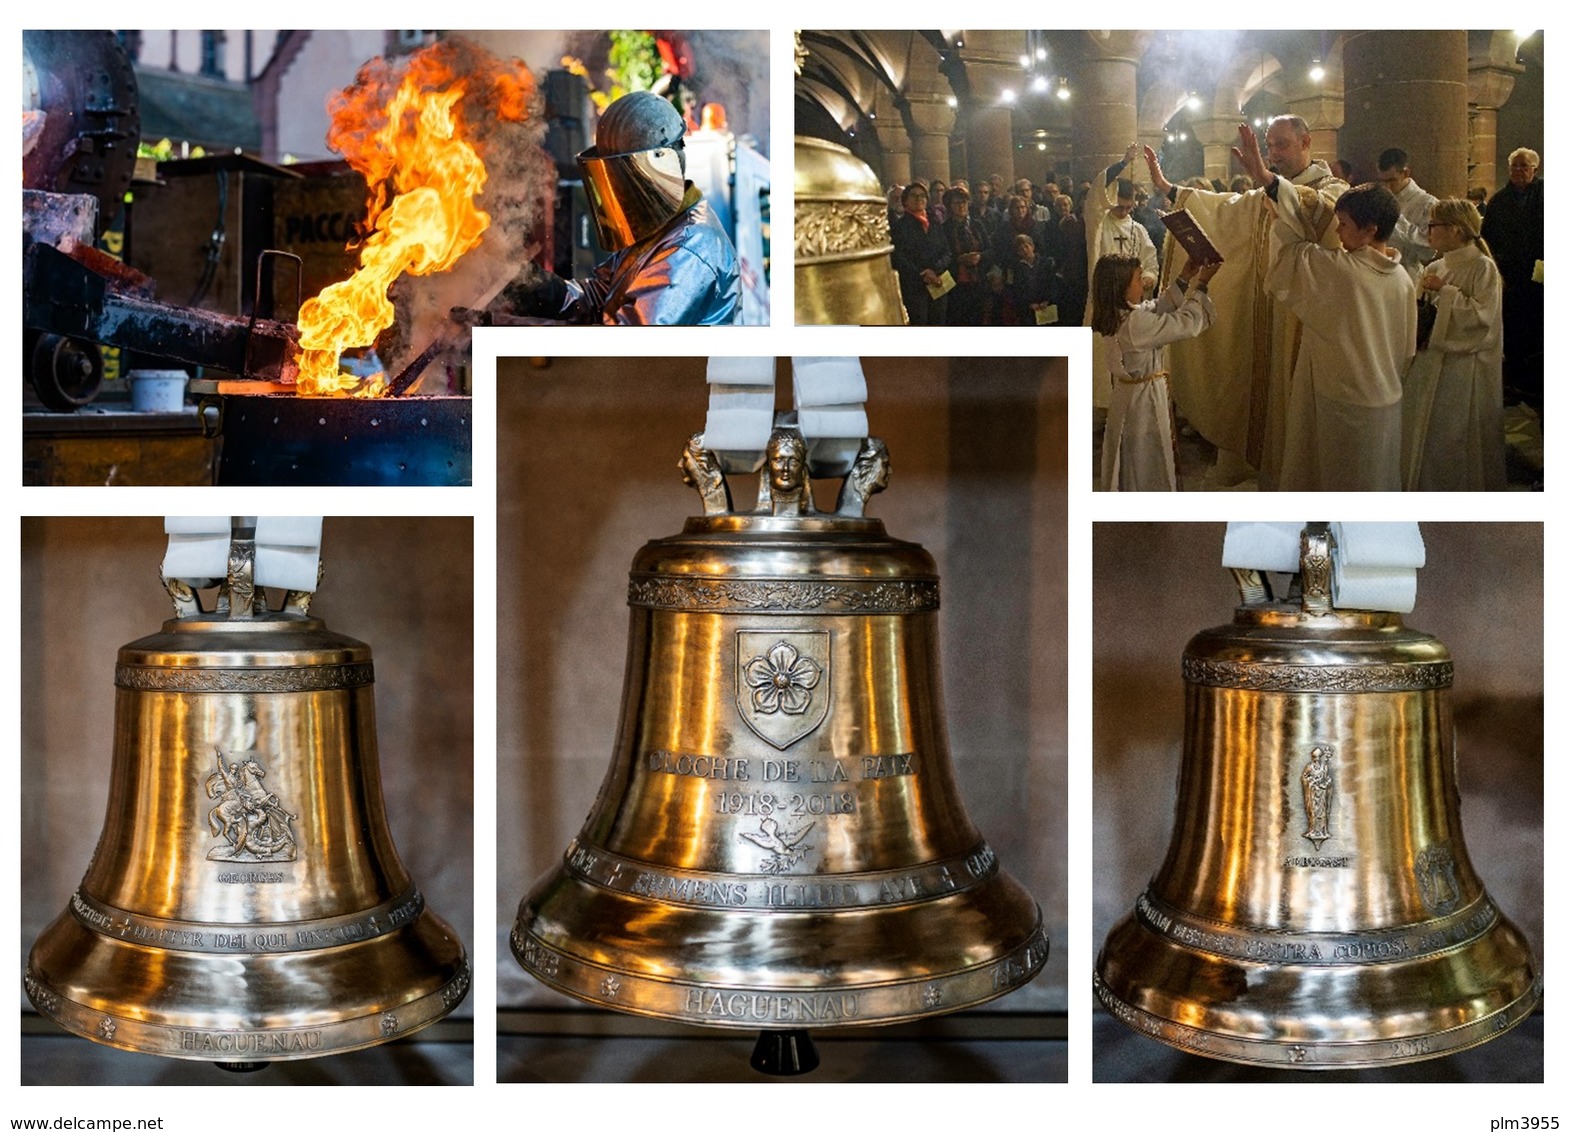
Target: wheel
{"points": [[65, 373]]}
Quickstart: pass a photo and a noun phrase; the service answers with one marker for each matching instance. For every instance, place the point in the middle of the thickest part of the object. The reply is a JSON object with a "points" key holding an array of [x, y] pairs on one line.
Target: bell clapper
{"points": [[241, 1066], [785, 1053]]}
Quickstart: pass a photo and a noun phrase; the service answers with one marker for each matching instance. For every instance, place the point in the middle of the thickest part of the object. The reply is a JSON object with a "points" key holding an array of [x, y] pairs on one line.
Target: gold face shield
{"points": [[633, 194]]}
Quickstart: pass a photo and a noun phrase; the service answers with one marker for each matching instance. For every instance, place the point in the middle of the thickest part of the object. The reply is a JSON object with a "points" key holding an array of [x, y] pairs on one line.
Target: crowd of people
{"points": [[991, 255], [1015, 254], [1366, 330], [1368, 333]]}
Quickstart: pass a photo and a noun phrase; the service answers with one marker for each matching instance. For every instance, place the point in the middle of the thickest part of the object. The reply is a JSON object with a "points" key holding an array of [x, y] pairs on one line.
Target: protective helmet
{"points": [[635, 173]]}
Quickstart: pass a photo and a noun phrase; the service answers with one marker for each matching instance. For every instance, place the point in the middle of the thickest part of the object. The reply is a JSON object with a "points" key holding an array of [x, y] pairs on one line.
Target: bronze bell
{"points": [[1317, 908], [843, 247], [779, 843], [245, 903]]}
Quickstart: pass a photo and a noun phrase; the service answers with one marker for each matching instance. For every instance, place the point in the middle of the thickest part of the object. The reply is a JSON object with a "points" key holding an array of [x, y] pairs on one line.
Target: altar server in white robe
{"points": [[1358, 312], [1454, 392], [1416, 203], [1120, 234], [1137, 453], [1109, 229]]}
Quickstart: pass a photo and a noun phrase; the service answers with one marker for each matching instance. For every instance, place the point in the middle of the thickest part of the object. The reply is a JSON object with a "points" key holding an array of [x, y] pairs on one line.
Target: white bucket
{"points": [[157, 390]]}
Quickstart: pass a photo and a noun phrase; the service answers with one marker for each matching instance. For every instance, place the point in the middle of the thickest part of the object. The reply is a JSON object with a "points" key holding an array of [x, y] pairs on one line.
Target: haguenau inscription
{"points": [[772, 1007], [1012, 971], [237, 1042]]}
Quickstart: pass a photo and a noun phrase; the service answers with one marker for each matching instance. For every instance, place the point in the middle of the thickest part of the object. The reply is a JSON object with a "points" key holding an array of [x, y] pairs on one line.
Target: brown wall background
{"points": [[1156, 584], [586, 454], [402, 585]]}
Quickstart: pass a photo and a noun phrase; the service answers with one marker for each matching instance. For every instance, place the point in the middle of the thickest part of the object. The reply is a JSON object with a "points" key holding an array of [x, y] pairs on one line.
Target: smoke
{"points": [[732, 68], [501, 114], [1191, 59]]}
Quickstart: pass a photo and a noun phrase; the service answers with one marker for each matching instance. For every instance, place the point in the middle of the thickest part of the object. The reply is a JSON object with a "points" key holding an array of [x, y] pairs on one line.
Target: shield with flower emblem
{"points": [[781, 686]]}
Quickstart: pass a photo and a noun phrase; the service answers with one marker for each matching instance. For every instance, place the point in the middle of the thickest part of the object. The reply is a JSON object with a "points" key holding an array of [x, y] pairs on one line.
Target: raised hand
{"points": [[1248, 155], [1157, 178]]}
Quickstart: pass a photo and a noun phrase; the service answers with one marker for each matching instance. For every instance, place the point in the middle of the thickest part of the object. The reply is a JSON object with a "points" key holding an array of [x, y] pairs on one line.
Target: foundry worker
{"points": [[672, 262]]}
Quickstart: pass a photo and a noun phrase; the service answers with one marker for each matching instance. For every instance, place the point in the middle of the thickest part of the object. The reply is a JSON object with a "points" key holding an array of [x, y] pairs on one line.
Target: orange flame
{"points": [[406, 126]]}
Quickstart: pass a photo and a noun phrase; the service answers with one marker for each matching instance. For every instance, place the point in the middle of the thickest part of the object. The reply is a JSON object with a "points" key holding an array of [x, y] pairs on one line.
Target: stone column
{"points": [[1217, 136], [930, 122], [894, 140], [1491, 83], [991, 65], [1105, 98], [1408, 89], [1325, 112], [927, 113], [991, 143]]}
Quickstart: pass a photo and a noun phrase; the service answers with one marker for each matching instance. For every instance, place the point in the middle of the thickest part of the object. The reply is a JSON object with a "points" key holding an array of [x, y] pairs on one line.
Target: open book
{"points": [[1194, 240]]}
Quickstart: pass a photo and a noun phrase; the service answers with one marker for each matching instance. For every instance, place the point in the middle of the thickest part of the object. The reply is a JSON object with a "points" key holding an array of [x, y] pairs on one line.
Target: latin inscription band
{"points": [[776, 892], [1324, 949], [247, 939]]}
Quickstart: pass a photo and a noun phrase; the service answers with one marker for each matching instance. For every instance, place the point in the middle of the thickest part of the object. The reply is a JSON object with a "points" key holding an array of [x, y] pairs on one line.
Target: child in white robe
{"points": [[1137, 453], [1454, 391], [1358, 310]]}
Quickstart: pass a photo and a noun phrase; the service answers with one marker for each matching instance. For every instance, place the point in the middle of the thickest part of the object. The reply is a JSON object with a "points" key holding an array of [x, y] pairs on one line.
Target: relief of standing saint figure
{"points": [[1318, 785]]}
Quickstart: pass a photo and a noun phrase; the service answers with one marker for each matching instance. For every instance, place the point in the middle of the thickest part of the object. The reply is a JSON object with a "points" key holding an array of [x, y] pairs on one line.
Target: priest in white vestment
{"points": [[1357, 306], [1454, 391], [1233, 384]]}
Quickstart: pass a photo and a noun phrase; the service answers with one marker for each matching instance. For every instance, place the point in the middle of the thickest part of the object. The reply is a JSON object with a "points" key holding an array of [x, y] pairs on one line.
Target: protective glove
{"points": [[542, 296]]}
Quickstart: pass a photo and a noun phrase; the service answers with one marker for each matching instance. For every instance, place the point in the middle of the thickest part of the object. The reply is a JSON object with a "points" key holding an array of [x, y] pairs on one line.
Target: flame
{"points": [[411, 127]]}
